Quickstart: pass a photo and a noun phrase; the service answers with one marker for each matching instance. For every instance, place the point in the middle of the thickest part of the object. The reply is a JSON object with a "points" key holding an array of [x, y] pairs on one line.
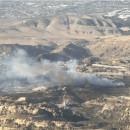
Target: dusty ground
{"points": [[89, 108]]}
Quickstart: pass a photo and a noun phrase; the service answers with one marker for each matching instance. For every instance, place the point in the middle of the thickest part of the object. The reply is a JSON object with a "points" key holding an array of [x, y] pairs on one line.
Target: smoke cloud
{"points": [[20, 69]]}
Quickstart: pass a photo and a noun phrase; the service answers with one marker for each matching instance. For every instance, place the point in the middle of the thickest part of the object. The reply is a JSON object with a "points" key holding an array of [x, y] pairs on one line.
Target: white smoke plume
{"points": [[20, 66]]}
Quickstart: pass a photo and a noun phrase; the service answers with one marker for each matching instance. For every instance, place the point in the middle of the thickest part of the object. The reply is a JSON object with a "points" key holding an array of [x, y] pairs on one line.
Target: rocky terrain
{"points": [[65, 65], [85, 108]]}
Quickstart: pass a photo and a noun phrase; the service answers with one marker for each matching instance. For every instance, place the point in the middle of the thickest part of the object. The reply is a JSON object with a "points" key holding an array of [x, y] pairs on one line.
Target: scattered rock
{"points": [[21, 99]]}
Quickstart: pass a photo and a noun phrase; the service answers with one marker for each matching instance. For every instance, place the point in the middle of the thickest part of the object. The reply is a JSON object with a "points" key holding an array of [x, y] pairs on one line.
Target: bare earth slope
{"points": [[33, 31], [104, 37], [112, 48], [99, 45]]}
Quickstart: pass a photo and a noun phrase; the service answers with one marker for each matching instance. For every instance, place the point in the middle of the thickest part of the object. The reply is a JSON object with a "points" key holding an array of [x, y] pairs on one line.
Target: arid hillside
{"points": [[64, 72], [34, 31], [66, 37]]}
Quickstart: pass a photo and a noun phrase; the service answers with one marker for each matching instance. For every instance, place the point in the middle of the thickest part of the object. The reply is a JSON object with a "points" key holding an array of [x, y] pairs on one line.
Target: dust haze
{"points": [[20, 66]]}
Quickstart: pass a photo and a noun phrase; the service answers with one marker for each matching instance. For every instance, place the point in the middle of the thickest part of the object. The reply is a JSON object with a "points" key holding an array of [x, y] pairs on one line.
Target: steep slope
{"points": [[85, 25], [67, 52], [112, 48], [33, 31]]}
